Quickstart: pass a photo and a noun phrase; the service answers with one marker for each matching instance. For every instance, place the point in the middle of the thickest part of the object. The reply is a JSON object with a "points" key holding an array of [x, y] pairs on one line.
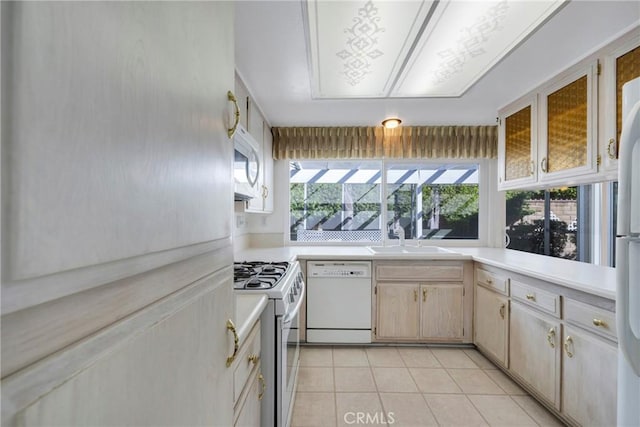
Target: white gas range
{"points": [[284, 284]]}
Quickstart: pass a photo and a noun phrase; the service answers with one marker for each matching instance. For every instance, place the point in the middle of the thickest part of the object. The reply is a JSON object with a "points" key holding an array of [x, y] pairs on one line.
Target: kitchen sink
{"points": [[409, 250]]}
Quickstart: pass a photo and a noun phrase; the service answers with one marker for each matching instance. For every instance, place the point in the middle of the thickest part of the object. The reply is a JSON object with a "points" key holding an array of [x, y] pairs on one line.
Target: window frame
{"points": [[486, 186]]}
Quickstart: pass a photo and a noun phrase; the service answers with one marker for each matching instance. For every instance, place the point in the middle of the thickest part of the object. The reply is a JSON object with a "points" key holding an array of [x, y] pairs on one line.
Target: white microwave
{"points": [[246, 165]]}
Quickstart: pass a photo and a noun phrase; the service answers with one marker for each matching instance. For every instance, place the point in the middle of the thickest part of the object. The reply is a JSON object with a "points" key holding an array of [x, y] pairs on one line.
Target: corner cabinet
{"points": [[425, 301]]}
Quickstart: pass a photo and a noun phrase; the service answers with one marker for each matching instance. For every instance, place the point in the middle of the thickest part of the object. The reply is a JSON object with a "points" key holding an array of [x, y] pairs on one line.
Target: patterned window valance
{"points": [[408, 142]]}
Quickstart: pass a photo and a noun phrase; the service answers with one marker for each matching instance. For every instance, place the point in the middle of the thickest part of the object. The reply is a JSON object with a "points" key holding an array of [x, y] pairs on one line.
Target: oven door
{"points": [[289, 363]]}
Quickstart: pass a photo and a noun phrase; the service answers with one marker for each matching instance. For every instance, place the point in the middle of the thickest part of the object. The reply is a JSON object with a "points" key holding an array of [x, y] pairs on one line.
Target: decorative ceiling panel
{"points": [[357, 48], [383, 48]]}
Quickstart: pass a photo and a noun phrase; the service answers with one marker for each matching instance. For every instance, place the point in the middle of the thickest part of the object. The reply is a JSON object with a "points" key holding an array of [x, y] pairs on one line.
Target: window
{"points": [[554, 222], [342, 201], [335, 201], [433, 201]]}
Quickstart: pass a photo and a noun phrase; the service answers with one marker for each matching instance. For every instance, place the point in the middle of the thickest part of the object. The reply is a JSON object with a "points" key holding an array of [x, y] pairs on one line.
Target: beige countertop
{"points": [[592, 279], [249, 307]]}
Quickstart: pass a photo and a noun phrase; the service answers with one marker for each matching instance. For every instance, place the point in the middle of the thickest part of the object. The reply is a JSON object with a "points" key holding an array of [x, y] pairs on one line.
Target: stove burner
{"points": [[257, 274]]}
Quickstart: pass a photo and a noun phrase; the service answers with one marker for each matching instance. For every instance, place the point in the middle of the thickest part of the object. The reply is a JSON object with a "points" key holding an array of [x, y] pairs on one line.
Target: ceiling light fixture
{"points": [[391, 123]]}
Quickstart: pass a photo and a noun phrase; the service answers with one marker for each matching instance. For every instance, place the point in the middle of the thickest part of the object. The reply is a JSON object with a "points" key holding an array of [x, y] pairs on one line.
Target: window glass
{"points": [[335, 201], [434, 201], [552, 222]]}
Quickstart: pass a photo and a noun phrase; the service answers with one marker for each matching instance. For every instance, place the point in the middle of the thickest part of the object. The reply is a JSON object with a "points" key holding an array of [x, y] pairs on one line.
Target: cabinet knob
{"points": [[531, 297], [551, 337], [263, 386], [254, 358], [231, 97], [231, 327], [599, 322], [424, 294], [568, 342], [611, 149]]}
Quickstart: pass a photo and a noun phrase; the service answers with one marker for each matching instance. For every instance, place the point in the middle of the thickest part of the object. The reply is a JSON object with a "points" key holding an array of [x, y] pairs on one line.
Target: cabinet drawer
{"points": [[421, 273], [543, 300], [492, 280], [245, 361], [594, 319]]}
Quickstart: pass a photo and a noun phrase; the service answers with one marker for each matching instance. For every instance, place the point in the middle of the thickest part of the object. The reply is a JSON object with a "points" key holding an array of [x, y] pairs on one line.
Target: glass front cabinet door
{"points": [[621, 65], [568, 125], [517, 143]]}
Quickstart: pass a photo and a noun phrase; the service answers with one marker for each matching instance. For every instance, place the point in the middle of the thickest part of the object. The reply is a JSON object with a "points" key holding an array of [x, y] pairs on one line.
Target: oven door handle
{"points": [[289, 316]]}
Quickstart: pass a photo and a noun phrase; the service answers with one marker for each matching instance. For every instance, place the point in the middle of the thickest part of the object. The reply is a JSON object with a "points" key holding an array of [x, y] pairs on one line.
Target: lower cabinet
{"points": [[248, 382], [589, 378], [397, 310], [491, 330], [413, 311], [534, 351]]}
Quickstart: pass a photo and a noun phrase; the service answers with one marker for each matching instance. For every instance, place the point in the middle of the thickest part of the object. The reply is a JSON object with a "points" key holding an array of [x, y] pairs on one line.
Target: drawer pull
{"points": [[531, 297], [254, 358], [599, 322], [489, 281], [501, 311], [231, 327], [424, 295], [263, 386], [568, 342], [551, 337]]}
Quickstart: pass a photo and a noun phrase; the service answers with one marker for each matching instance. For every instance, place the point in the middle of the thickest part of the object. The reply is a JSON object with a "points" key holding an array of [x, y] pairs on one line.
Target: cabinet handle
{"points": [[254, 358], [567, 342], [231, 97], [533, 167], [263, 386], [415, 295], [543, 164], [551, 337], [612, 154], [501, 311], [231, 327], [599, 322], [531, 297], [424, 295]]}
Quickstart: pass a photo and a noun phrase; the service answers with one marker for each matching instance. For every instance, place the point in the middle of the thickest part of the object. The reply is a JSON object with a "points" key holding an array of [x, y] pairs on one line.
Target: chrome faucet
{"points": [[398, 230]]}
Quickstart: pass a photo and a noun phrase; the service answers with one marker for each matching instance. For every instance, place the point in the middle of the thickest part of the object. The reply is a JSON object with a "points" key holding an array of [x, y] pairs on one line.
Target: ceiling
{"points": [[273, 58]]}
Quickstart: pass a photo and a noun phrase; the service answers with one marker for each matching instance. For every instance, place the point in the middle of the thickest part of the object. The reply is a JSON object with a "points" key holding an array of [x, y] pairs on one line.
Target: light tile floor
{"points": [[409, 386]]}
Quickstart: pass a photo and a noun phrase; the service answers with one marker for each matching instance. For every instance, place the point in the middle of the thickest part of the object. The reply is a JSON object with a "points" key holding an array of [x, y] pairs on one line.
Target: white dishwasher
{"points": [[339, 302]]}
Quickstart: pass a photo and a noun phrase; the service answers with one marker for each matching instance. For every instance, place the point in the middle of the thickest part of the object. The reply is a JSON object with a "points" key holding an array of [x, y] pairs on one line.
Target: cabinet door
{"points": [[171, 370], [442, 311], [397, 311], [568, 125], [517, 143], [589, 379], [249, 412], [621, 65], [534, 351], [491, 324]]}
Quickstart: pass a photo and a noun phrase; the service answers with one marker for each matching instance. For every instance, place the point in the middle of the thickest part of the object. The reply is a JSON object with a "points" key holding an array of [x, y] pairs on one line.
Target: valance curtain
{"points": [[408, 142]]}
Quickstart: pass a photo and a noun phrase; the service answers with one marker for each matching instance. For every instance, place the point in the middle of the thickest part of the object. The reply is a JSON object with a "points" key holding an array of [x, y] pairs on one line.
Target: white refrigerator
{"points": [[628, 259]]}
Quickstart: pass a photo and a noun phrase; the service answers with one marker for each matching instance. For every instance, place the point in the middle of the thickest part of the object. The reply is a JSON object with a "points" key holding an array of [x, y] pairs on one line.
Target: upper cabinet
{"points": [[621, 65], [252, 119], [568, 125], [549, 135], [517, 143], [565, 131]]}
